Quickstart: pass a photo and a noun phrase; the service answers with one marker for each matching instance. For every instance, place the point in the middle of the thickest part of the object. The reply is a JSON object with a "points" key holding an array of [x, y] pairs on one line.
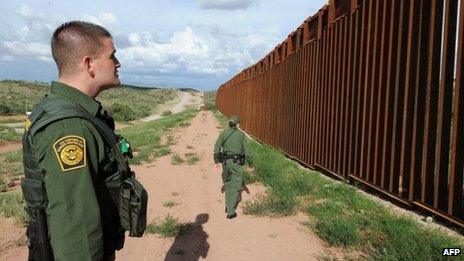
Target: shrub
{"points": [[166, 113], [192, 158], [169, 203], [122, 112], [176, 159]]}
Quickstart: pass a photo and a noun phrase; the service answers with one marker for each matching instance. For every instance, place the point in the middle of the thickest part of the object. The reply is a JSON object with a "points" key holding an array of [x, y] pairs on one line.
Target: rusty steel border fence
{"points": [[367, 90]]}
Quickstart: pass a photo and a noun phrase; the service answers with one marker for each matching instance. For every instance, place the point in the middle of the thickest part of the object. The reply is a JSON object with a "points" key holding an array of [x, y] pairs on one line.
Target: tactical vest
{"points": [[127, 193]]}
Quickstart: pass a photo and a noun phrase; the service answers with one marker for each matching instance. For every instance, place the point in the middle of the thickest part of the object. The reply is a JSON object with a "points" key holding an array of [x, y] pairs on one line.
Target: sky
{"points": [[170, 44]]}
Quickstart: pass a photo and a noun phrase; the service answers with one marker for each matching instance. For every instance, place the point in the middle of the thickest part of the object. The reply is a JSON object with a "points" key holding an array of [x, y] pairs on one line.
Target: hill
{"points": [[126, 102]]}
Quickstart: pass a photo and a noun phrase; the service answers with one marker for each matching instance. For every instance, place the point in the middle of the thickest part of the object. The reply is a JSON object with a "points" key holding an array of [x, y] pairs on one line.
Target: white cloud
{"points": [[25, 11], [37, 25], [105, 19], [225, 4], [36, 50], [193, 51]]}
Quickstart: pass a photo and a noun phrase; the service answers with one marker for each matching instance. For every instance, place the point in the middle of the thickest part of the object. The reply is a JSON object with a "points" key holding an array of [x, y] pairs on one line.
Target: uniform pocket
{"points": [[34, 193]]}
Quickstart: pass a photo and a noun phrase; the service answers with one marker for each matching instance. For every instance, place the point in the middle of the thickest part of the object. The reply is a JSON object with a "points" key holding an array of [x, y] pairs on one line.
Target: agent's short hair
{"points": [[73, 40]]}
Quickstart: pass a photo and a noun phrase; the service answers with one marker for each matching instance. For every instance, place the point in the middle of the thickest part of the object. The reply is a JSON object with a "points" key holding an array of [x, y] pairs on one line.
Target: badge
{"points": [[70, 151], [27, 124]]}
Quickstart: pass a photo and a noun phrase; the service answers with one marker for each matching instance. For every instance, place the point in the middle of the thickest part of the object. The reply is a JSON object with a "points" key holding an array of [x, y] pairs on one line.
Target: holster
{"points": [[237, 158]]}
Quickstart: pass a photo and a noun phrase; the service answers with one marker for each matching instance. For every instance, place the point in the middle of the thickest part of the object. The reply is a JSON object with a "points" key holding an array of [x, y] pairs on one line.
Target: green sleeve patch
{"points": [[71, 152]]}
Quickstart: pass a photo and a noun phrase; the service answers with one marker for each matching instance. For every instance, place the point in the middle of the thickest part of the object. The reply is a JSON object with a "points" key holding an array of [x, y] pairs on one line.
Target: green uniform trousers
{"points": [[232, 177]]}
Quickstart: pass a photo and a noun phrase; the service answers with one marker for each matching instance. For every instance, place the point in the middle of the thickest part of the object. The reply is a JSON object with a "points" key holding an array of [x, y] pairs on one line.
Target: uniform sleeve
{"points": [[246, 151], [69, 154], [217, 148]]}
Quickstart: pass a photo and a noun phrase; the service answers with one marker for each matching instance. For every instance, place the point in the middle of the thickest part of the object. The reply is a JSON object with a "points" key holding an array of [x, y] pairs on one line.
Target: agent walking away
{"points": [[80, 192], [229, 150]]}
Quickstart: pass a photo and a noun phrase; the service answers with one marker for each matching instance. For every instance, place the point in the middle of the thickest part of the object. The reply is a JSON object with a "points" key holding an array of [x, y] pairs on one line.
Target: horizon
{"points": [[188, 44]]}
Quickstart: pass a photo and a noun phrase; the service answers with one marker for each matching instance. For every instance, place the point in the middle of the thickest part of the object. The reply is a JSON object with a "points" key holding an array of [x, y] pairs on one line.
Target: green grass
{"points": [[271, 204], [250, 176], [192, 158], [176, 159], [19, 96], [8, 134], [170, 140], [15, 119], [167, 228], [169, 204], [12, 205], [340, 214], [3, 185], [145, 138], [11, 166]]}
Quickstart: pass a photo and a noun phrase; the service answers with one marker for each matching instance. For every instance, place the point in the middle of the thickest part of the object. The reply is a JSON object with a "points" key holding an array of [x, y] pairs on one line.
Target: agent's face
{"points": [[106, 66]]}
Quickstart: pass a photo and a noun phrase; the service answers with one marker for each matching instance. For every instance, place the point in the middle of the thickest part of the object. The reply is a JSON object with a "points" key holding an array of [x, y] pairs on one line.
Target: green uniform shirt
{"points": [[232, 141], [82, 220]]}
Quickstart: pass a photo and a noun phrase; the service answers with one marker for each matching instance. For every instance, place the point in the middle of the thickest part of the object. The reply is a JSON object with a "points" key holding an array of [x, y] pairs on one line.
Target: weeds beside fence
{"points": [[339, 213]]}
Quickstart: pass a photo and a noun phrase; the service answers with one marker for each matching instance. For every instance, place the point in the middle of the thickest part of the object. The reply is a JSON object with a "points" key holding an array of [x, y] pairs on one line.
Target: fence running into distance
{"points": [[368, 90]]}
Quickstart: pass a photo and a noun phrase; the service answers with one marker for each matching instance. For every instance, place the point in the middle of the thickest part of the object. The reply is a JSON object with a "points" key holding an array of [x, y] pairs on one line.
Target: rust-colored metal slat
{"points": [[370, 91]]}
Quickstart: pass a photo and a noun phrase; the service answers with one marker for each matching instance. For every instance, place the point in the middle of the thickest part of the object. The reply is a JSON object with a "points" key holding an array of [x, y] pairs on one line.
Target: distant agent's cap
{"points": [[234, 120]]}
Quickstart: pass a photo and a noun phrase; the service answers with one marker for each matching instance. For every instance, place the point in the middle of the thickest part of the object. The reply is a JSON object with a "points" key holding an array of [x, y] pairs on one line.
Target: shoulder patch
{"points": [[70, 151], [27, 124]]}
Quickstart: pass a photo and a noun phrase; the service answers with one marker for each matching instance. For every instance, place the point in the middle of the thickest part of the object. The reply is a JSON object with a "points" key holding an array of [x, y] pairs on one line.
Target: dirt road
{"points": [[196, 190], [186, 99], [199, 205]]}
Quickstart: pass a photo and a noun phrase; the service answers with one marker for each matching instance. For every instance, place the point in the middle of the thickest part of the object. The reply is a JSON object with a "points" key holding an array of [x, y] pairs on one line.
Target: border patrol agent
{"points": [[229, 150], [80, 193]]}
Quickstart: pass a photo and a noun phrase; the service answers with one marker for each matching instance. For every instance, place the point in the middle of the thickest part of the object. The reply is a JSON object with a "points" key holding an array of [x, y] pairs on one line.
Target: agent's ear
{"points": [[89, 66]]}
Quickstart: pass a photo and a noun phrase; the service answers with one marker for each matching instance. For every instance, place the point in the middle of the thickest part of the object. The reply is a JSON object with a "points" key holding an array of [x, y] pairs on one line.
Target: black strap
{"points": [[228, 137], [57, 110]]}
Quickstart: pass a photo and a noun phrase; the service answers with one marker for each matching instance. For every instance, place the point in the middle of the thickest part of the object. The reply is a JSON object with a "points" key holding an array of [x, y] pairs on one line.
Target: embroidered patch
{"points": [[70, 151], [27, 124]]}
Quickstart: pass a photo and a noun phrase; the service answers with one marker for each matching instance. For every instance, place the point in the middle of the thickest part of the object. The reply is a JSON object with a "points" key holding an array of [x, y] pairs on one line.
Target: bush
{"points": [[5, 109], [166, 113], [122, 112]]}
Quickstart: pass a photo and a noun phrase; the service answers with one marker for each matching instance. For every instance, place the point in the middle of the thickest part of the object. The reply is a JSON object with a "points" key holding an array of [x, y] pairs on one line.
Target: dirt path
{"points": [[186, 99], [196, 191]]}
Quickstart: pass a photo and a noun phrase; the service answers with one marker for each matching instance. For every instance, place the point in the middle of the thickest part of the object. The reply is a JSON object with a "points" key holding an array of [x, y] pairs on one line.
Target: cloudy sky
{"points": [[178, 43]]}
